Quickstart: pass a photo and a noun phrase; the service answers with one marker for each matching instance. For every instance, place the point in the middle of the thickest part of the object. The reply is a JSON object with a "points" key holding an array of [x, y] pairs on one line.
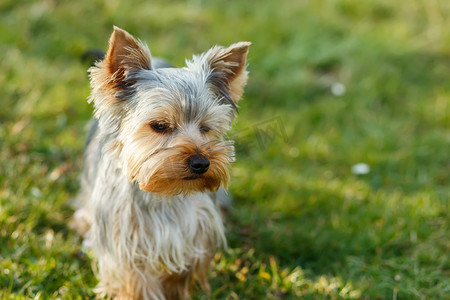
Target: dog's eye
{"points": [[160, 126], [204, 129]]}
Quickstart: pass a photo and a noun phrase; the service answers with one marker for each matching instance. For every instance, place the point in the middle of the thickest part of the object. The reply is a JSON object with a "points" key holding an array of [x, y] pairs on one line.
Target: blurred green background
{"points": [[332, 84]]}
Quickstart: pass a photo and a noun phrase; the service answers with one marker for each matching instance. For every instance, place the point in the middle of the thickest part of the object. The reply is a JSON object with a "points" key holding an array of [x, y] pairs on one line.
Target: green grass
{"points": [[303, 225]]}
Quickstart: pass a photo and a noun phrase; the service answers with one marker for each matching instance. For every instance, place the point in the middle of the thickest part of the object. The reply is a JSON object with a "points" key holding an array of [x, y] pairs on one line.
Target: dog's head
{"points": [[167, 126]]}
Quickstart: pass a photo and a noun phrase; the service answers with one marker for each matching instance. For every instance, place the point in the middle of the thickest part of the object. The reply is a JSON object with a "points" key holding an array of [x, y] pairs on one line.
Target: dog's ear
{"points": [[110, 78], [228, 70], [124, 54]]}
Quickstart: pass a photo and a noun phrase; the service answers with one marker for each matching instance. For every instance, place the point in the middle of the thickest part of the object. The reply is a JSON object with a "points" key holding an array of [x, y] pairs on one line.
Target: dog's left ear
{"points": [[228, 70]]}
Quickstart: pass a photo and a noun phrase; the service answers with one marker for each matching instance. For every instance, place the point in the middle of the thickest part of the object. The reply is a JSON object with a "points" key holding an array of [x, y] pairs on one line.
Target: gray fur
{"points": [[158, 63]]}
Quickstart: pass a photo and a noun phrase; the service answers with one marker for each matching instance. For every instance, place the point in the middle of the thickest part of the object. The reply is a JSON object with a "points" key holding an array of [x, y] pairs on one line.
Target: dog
{"points": [[156, 154]]}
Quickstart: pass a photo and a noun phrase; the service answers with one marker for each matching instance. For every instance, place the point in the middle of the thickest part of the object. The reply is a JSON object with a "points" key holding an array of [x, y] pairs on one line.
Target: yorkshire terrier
{"points": [[156, 154]]}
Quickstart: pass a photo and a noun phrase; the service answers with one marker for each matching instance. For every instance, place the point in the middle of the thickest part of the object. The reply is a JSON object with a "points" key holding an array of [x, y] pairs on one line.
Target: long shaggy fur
{"points": [[152, 222]]}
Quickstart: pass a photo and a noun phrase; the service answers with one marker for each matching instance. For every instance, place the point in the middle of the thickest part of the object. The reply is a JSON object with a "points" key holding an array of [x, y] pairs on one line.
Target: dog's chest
{"points": [[162, 233], [176, 232]]}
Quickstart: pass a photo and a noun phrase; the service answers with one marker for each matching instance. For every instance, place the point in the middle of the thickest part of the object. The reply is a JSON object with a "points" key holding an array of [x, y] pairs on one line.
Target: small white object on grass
{"points": [[361, 169], [293, 152], [338, 89]]}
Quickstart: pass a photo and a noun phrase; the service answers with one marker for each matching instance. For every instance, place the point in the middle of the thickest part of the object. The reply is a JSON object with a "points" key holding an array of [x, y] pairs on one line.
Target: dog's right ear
{"points": [[111, 78], [125, 53]]}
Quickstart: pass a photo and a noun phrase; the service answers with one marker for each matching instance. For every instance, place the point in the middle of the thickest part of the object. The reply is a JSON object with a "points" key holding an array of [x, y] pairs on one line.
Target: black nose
{"points": [[198, 164]]}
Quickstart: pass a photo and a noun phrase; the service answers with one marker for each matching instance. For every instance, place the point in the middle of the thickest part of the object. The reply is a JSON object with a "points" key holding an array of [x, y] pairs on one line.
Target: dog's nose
{"points": [[198, 164]]}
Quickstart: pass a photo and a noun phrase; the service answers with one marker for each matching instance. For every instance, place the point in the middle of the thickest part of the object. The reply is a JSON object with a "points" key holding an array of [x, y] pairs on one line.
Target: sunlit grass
{"points": [[303, 225]]}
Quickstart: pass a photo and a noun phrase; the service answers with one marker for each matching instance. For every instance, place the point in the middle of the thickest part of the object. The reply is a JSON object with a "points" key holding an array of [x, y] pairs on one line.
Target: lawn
{"points": [[332, 84]]}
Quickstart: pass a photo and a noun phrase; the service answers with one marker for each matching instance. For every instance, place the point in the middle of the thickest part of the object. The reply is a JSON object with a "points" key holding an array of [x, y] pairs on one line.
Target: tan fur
{"points": [[237, 86], [168, 178], [124, 53], [147, 211], [108, 76], [231, 63]]}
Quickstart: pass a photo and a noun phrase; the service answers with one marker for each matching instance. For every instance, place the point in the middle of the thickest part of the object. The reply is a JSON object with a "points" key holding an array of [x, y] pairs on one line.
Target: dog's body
{"points": [[146, 245], [155, 153]]}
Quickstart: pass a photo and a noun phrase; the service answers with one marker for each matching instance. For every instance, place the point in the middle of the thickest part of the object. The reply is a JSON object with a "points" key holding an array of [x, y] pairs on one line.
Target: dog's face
{"points": [[167, 125]]}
